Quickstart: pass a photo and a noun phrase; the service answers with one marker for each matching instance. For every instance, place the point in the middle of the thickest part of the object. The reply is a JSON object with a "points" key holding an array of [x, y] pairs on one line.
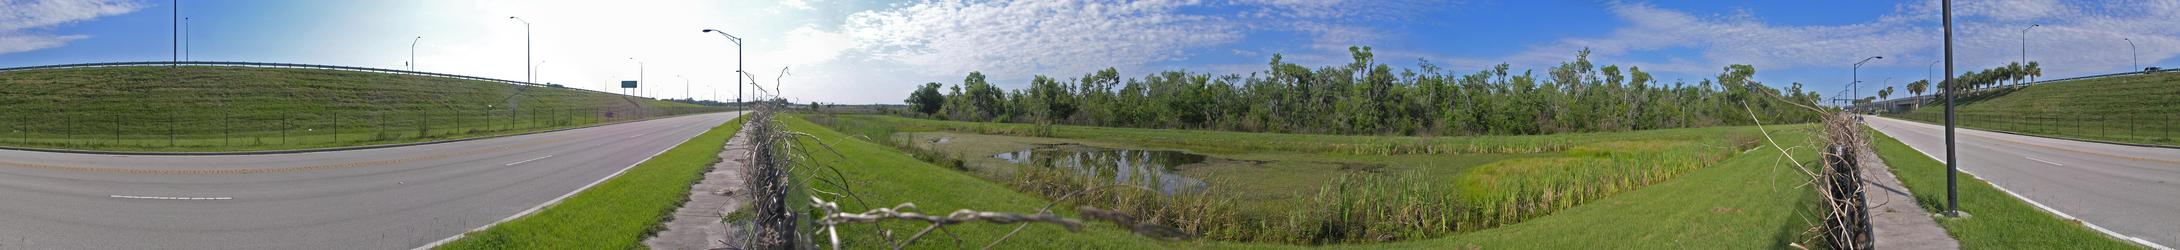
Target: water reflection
{"points": [[1147, 168]]}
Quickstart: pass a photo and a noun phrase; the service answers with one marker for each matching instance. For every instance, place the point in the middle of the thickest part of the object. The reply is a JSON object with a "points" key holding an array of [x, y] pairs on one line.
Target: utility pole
{"points": [[1952, 166], [185, 39], [2025, 44], [1856, 86]]}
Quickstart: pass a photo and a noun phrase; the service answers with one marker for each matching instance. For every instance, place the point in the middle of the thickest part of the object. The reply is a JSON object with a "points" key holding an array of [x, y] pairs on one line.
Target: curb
{"points": [[2048, 136], [315, 150]]}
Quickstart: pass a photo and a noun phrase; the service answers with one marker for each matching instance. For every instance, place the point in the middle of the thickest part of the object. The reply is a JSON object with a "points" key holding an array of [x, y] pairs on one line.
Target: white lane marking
{"points": [[527, 161], [541, 206], [2039, 205], [2044, 161], [169, 198]]}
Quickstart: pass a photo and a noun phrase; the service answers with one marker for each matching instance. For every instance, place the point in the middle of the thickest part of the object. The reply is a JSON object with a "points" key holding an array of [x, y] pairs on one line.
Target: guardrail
{"points": [[281, 65]]}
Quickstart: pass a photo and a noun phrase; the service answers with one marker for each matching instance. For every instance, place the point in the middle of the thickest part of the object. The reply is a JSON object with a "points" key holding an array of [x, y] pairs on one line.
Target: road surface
{"points": [[2130, 190], [388, 198]]}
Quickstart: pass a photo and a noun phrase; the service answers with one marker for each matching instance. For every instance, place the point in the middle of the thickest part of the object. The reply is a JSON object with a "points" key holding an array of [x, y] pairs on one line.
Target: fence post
{"points": [[170, 129], [423, 127], [381, 124], [284, 126], [117, 130], [336, 127]]}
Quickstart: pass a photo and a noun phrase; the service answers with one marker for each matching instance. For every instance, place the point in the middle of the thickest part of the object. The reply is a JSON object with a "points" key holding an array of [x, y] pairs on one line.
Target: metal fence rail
{"points": [[280, 65]]}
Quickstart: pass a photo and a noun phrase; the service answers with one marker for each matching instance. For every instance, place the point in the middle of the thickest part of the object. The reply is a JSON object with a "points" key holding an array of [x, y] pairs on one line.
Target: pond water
{"points": [[1147, 168]]}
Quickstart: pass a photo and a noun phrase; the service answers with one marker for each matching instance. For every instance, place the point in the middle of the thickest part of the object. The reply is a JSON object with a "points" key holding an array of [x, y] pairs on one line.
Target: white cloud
{"points": [[22, 21], [1026, 37], [2073, 40], [796, 4]]}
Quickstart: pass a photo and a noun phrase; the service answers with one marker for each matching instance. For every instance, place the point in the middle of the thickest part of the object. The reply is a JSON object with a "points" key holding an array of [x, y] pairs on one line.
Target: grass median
{"points": [[616, 214], [1996, 220]]}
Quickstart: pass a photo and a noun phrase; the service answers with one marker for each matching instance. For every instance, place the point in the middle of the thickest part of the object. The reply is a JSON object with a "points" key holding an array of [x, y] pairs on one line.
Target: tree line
{"points": [[1370, 97], [1982, 79]]}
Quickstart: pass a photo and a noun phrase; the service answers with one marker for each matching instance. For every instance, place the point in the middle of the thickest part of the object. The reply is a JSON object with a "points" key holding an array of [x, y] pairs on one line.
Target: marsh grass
{"points": [[1354, 207]]}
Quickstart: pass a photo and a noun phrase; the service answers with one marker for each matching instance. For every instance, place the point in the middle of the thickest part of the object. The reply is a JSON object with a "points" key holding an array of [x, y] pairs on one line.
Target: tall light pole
{"points": [[177, 52], [533, 69], [685, 93], [737, 61], [2137, 54], [2025, 44], [639, 76], [1927, 78], [412, 52], [525, 46], [185, 39], [1857, 77], [1952, 167]]}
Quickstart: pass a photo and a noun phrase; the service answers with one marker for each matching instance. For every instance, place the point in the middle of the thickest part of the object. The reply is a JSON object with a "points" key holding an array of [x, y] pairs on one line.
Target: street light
{"points": [[533, 69], [1952, 167], [685, 93], [1857, 77], [737, 61], [525, 45], [2131, 50], [185, 39], [639, 76], [2025, 43], [1926, 76], [412, 52]]}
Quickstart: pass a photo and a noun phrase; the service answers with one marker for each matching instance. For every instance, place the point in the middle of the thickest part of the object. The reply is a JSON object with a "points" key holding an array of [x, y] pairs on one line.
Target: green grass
{"points": [[2134, 109], [884, 177], [1996, 220], [616, 214], [1751, 200], [214, 109]]}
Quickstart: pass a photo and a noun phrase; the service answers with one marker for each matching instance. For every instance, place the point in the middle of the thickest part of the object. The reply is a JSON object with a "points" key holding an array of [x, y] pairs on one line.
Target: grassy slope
{"points": [[2134, 109], [1750, 201], [1996, 220], [616, 214], [241, 109]]}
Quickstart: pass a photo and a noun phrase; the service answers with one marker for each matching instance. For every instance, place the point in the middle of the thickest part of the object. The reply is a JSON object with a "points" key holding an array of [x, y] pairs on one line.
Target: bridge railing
{"points": [[280, 65]]}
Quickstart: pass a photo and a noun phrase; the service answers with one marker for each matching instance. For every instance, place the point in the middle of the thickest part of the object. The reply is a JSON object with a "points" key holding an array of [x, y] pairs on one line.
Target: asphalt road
{"points": [[2134, 191], [389, 198]]}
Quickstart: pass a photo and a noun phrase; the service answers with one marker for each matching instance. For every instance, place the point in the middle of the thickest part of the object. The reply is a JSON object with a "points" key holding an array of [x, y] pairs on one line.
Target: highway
{"points": [[2133, 191], [387, 198]]}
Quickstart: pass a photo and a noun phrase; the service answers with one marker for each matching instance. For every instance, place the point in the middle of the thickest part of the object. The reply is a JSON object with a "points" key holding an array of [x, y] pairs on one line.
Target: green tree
{"points": [[926, 99]]}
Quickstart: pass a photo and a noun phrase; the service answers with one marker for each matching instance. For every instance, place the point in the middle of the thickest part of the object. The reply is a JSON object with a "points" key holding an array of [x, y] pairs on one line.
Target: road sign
{"points": [[628, 84]]}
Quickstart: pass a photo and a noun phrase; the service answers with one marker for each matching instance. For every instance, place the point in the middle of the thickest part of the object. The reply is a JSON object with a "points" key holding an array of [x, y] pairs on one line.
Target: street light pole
{"points": [[737, 61], [1857, 77], [525, 46], [639, 76], [2025, 44], [685, 93], [185, 39], [1952, 166], [2131, 50], [533, 69], [412, 52]]}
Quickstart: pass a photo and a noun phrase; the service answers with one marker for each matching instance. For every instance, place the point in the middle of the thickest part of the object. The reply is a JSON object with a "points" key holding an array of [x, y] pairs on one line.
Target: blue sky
{"points": [[874, 52]]}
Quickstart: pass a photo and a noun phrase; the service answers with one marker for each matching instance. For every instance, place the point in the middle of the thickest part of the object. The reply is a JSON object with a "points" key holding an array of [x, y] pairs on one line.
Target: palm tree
{"points": [[1884, 93], [2034, 71], [1918, 86], [2013, 71]]}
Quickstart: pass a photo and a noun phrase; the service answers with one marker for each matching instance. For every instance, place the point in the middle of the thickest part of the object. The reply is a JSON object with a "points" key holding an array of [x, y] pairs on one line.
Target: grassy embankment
{"points": [[618, 213], [1751, 200], [2133, 109], [1996, 220], [213, 109]]}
